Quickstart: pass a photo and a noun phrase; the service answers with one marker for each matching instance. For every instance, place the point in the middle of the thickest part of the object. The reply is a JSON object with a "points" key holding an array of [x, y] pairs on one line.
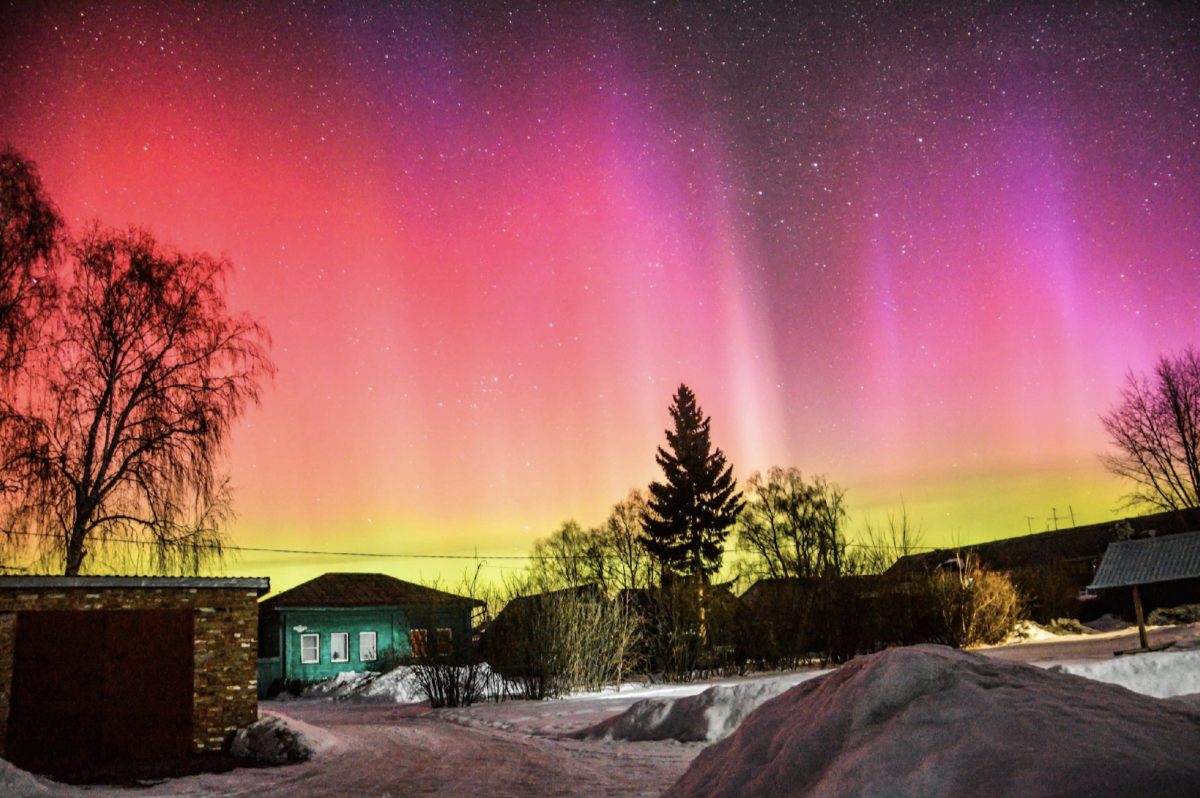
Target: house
{"points": [[1052, 568], [1150, 573], [348, 622], [103, 670]]}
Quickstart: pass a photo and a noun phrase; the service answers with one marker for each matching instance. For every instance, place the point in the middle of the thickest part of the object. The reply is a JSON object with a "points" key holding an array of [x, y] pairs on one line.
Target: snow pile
{"points": [[16, 783], [1108, 623], [269, 741], [710, 716], [1028, 632], [1162, 674], [929, 721], [397, 686], [1033, 632], [277, 739]]}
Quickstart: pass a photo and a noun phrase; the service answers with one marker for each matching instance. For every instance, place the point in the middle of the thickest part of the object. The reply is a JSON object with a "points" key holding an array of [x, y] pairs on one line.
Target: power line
{"points": [[391, 555]]}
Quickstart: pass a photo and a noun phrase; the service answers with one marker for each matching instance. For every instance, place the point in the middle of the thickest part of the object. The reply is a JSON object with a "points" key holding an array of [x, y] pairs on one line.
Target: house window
{"points": [[366, 646], [310, 649], [444, 643], [339, 647], [416, 640]]}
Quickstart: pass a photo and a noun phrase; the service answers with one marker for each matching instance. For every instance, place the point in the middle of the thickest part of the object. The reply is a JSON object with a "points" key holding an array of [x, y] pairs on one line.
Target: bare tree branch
{"points": [[130, 405], [1156, 431]]}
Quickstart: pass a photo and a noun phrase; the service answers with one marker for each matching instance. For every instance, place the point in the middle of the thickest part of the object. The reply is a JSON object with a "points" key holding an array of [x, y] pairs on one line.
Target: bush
{"points": [[550, 644], [978, 607], [1051, 591]]}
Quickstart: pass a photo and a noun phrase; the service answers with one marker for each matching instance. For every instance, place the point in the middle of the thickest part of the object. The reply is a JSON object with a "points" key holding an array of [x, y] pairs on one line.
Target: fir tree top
{"points": [[689, 515]]}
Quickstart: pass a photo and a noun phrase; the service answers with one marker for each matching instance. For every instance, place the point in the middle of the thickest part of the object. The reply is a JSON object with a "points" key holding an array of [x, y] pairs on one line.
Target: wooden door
{"points": [[92, 688]]}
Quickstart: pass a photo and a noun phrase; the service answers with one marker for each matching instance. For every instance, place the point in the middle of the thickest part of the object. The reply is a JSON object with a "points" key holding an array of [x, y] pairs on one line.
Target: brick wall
{"points": [[226, 647]]}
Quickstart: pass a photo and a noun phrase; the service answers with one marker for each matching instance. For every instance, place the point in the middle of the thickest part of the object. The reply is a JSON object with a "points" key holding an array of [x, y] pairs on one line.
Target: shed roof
{"points": [[1142, 562], [261, 584], [363, 590]]}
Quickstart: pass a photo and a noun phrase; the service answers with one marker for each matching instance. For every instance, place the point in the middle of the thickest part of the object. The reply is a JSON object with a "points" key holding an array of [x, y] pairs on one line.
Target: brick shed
{"points": [[98, 670]]}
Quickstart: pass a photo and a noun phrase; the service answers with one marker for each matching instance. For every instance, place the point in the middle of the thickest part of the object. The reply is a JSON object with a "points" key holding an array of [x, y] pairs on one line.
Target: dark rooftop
{"points": [[363, 590], [1150, 560], [261, 584], [1084, 545]]}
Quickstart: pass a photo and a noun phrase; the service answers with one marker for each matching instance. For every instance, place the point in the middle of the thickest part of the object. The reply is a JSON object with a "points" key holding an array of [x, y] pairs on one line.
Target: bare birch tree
{"points": [[1156, 431], [127, 411]]}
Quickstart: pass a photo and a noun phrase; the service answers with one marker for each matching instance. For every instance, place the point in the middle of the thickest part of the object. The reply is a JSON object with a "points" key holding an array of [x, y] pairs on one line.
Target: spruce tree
{"points": [[690, 514]]}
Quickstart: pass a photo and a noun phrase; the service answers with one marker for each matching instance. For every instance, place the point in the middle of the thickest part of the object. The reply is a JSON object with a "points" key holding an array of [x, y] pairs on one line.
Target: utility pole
{"points": [[1029, 523], [1071, 510], [1054, 517]]}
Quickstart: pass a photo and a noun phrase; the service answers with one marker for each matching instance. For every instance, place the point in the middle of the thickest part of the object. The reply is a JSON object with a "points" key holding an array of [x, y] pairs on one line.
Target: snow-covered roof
{"points": [[261, 584], [1149, 560]]}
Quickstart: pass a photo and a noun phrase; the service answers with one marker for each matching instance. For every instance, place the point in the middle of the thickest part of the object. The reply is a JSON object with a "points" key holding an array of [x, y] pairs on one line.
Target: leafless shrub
{"points": [[551, 644], [979, 607]]}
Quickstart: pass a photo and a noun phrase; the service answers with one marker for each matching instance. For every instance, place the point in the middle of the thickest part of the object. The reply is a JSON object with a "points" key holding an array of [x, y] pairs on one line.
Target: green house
{"points": [[351, 622]]}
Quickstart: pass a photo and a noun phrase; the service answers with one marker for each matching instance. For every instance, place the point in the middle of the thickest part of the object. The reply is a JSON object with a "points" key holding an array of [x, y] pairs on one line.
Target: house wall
{"points": [[225, 653], [390, 624]]}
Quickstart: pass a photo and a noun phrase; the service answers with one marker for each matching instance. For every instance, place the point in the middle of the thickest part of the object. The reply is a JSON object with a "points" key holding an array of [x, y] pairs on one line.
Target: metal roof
{"points": [[344, 590], [1142, 562], [261, 584]]}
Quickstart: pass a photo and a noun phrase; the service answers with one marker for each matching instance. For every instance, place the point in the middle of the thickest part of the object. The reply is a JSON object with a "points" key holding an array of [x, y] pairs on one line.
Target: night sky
{"points": [[911, 248]]}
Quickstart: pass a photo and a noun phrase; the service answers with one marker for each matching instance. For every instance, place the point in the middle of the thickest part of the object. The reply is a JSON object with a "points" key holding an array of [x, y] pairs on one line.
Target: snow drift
{"points": [[1162, 674], [276, 739], [398, 686], [706, 717], [16, 783], [929, 721]]}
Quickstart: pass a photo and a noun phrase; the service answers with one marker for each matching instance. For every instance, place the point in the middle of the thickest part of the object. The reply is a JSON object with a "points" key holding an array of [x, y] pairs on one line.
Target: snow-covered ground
{"points": [[374, 743], [929, 721]]}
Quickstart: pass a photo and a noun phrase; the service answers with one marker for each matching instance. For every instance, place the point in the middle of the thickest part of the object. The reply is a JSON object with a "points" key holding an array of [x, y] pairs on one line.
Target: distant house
{"points": [[1071, 555], [351, 622]]}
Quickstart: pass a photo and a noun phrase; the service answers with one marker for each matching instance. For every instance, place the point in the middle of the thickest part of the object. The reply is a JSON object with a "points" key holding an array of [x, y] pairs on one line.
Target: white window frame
{"points": [[333, 652], [310, 643], [372, 646]]}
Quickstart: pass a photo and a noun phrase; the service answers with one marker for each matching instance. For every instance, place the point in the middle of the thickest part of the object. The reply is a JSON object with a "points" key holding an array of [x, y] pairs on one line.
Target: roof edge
{"points": [[260, 584]]}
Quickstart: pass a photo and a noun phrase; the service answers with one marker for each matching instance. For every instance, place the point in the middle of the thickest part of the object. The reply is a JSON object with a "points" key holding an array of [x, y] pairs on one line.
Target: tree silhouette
{"points": [[689, 515], [31, 232], [1156, 429], [129, 403]]}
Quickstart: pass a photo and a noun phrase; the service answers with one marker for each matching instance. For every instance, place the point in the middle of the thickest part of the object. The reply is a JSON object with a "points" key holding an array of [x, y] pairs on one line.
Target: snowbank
{"points": [[930, 721], [398, 686], [16, 783], [707, 717], [1162, 674]]}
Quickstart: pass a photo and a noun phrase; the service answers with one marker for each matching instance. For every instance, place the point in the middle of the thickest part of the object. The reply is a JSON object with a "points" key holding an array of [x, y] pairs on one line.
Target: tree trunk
{"points": [[75, 551]]}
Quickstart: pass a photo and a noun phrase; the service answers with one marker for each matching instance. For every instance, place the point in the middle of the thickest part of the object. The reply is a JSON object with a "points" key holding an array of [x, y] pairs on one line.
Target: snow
{"points": [[932, 721], [16, 783], [398, 686], [1162, 674], [1109, 623], [706, 717]]}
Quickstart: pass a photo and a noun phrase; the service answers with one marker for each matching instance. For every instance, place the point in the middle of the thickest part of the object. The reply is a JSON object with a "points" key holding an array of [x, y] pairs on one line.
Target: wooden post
{"points": [[1137, 608]]}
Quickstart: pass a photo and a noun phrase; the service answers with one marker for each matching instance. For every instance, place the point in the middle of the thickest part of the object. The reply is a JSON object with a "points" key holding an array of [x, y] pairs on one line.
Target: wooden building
{"points": [[344, 622], [100, 670], [1150, 573]]}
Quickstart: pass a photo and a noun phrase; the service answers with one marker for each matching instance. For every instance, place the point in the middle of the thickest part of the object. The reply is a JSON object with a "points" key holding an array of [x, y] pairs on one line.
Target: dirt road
{"points": [[509, 750]]}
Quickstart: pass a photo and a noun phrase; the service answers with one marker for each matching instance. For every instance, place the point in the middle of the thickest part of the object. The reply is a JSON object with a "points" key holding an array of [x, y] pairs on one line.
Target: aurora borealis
{"points": [[915, 249]]}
